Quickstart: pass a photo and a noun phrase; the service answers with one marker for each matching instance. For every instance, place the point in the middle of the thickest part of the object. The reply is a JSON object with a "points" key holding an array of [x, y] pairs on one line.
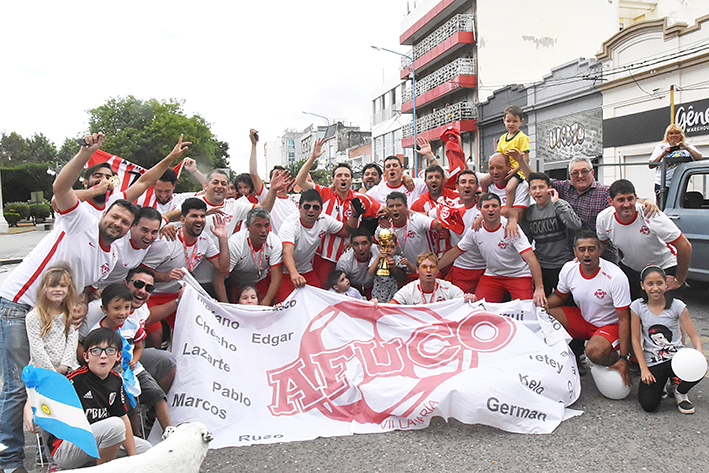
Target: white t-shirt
{"points": [[235, 211], [521, 194], [74, 240], [283, 209], [244, 264], [129, 257], [357, 271], [175, 202], [502, 256], [597, 297], [94, 209], [412, 237], [132, 329], [411, 294], [472, 258], [644, 241], [671, 162], [307, 240], [165, 255], [383, 189]]}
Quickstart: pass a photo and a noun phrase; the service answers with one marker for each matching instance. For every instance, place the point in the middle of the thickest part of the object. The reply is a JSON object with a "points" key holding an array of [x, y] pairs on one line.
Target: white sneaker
{"points": [[683, 403]]}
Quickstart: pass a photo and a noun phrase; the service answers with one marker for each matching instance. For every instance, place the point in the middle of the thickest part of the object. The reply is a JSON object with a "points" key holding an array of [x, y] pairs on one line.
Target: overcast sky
{"points": [[238, 64]]}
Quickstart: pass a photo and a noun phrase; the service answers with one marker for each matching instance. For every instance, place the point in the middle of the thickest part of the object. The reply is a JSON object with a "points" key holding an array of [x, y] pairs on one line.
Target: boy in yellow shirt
{"points": [[515, 144]]}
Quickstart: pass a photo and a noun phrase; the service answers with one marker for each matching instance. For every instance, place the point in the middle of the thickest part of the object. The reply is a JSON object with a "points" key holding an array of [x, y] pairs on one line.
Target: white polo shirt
{"points": [[383, 189], [244, 263], [411, 294], [472, 258], [307, 240], [599, 296], [521, 194], [502, 256], [165, 255], [643, 241], [129, 257]]}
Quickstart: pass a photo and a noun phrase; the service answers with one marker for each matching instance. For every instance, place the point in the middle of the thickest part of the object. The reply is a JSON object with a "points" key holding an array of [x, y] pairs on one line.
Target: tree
{"points": [[319, 176], [18, 182], [15, 150], [143, 132]]}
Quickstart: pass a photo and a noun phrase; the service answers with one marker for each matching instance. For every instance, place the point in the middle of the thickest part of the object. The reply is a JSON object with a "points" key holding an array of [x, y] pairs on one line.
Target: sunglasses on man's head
{"points": [[315, 207], [96, 351], [138, 284]]}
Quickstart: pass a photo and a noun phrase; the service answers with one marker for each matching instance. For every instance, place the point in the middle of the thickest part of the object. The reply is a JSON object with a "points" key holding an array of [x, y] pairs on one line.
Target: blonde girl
{"points": [[53, 339]]}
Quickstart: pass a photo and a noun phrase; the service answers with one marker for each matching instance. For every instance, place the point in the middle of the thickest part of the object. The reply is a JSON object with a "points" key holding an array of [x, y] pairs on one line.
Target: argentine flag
{"points": [[57, 408]]}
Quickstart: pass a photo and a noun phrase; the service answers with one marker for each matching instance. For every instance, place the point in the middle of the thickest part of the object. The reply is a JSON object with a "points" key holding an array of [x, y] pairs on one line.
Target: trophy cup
{"points": [[386, 241]]}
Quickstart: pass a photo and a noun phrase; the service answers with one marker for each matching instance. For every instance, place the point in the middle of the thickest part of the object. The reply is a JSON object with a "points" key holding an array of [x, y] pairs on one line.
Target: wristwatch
{"points": [[625, 357]]}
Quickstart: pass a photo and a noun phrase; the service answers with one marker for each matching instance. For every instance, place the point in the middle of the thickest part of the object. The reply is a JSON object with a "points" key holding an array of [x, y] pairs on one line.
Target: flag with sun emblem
{"points": [[57, 409]]}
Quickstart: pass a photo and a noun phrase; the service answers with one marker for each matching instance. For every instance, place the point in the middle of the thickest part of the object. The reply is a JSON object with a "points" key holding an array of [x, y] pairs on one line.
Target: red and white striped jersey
{"points": [[439, 240]]}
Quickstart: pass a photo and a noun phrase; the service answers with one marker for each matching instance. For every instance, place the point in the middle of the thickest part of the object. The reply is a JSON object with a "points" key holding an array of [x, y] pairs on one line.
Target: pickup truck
{"points": [[688, 206]]}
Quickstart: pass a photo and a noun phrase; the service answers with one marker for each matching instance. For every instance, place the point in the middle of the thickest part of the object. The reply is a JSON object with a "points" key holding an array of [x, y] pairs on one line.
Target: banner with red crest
{"points": [[325, 365]]}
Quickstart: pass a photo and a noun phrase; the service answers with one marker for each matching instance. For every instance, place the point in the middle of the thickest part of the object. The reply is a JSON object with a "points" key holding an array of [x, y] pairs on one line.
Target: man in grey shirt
{"points": [[546, 222]]}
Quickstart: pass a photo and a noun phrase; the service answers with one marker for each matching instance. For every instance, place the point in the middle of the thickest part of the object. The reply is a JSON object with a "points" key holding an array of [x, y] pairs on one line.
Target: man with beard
{"points": [[100, 192], [437, 195], [602, 295], [336, 203], [256, 257], [301, 235], [233, 211], [371, 176], [132, 248], [189, 250], [163, 197], [87, 245]]}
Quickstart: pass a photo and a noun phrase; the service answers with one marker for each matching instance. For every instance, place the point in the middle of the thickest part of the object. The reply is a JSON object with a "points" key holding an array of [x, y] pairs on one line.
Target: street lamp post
{"points": [[329, 153], [413, 87], [4, 227]]}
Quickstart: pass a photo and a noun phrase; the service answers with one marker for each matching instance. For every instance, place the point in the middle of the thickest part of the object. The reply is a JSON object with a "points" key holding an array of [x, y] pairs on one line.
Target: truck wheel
{"points": [[700, 285]]}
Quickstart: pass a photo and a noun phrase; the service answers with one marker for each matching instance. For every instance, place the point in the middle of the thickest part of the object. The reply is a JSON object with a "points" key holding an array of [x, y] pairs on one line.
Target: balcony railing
{"points": [[454, 25], [459, 67], [456, 112]]}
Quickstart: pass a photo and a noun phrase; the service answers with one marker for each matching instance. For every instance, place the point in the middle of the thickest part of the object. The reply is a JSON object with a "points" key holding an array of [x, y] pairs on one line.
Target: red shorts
{"points": [[311, 279], [160, 299], [323, 268], [581, 328], [466, 279], [493, 288]]}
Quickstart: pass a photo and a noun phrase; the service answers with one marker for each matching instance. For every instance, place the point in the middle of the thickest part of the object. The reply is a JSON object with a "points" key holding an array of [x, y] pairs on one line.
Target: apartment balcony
{"points": [[447, 79], [422, 23], [453, 35], [462, 115]]}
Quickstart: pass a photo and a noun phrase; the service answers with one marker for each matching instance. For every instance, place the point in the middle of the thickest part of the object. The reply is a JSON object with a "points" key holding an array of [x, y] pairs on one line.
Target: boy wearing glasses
{"points": [[100, 390], [301, 235], [116, 308]]}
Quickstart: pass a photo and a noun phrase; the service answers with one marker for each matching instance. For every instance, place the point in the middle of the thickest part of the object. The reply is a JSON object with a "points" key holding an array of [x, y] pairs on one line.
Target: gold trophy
{"points": [[386, 242], [115, 181]]}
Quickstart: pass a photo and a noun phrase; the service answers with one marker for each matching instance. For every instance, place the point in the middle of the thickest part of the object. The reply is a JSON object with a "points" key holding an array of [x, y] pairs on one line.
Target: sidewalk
{"points": [[14, 247]]}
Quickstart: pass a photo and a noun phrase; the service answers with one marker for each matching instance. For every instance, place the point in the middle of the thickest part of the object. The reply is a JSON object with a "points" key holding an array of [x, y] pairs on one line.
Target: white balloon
{"points": [[609, 382], [689, 364]]}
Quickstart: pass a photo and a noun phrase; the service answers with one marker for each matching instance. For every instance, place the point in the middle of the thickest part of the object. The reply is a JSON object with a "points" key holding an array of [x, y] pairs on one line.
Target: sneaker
{"points": [[683, 404]]}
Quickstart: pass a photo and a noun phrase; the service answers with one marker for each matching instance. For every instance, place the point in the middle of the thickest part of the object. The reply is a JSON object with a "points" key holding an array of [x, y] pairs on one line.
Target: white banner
{"points": [[326, 365]]}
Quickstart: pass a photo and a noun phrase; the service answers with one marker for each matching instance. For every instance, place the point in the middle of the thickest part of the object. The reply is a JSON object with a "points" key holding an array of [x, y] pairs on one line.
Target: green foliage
{"points": [[319, 176], [12, 218], [40, 211], [20, 181], [14, 149], [144, 132], [20, 207]]}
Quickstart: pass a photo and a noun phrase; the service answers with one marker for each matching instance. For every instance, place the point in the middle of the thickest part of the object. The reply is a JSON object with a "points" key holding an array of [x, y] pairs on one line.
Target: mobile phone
{"points": [[674, 148], [82, 142], [256, 136]]}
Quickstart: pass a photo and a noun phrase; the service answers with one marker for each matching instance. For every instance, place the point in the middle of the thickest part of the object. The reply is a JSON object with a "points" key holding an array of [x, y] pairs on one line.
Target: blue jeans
{"points": [[14, 356]]}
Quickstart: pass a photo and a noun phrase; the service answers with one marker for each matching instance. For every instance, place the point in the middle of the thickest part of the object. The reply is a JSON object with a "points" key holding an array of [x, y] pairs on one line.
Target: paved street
{"points": [[610, 435]]}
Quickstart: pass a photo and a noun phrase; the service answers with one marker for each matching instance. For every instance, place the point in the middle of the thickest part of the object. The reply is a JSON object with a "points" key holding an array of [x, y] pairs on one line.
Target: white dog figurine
{"points": [[182, 451]]}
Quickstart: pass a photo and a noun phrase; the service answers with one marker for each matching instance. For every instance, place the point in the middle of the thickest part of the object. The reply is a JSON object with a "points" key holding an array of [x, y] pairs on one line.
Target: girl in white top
{"points": [[52, 336], [656, 333]]}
